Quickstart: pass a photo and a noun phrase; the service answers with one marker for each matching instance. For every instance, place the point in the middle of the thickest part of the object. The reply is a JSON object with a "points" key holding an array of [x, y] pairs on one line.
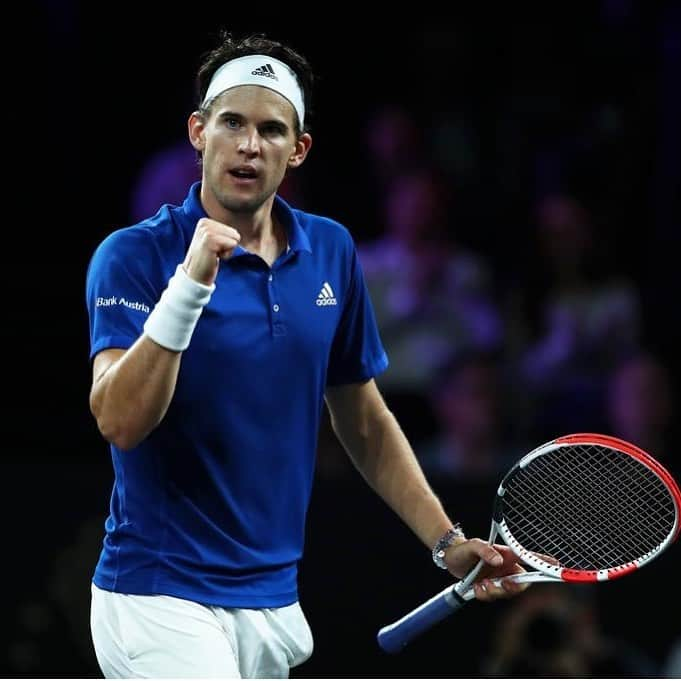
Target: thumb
{"points": [[491, 556]]}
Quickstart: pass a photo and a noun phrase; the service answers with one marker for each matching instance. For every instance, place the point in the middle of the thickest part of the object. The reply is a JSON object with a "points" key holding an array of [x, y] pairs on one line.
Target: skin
{"points": [[253, 127]]}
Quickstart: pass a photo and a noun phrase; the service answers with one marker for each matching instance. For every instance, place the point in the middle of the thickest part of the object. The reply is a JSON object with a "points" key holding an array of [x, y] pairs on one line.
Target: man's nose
{"points": [[250, 142]]}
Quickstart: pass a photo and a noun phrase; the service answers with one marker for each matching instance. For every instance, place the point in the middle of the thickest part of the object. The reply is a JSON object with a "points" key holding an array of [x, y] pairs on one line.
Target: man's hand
{"points": [[212, 242], [500, 561]]}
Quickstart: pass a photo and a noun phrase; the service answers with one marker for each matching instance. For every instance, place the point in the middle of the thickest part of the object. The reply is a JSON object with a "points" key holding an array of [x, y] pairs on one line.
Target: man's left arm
{"points": [[379, 449]]}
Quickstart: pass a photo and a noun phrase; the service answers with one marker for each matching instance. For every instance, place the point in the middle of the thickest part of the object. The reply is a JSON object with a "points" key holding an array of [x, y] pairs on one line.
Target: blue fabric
{"points": [[211, 505]]}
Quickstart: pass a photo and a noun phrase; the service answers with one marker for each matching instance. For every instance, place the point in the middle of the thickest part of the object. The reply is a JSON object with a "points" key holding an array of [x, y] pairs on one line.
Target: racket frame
{"points": [[568, 574]]}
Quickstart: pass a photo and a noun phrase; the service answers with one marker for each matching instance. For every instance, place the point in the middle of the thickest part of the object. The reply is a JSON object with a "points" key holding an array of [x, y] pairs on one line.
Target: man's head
{"points": [[249, 128], [640, 400]]}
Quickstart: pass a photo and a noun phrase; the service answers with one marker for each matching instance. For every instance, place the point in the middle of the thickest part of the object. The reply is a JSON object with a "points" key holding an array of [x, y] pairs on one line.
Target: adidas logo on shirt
{"points": [[326, 296], [265, 70]]}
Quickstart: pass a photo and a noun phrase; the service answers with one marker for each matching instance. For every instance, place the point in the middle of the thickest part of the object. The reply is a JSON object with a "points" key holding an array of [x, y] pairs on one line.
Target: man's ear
{"points": [[303, 144], [196, 126]]}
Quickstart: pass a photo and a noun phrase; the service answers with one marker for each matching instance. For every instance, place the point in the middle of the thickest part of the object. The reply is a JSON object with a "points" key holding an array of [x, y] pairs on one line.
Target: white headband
{"points": [[257, 69]]}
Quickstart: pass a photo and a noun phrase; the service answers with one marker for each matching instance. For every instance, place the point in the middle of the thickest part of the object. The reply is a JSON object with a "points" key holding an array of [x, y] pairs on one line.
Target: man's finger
{"points": [[490, 555]]}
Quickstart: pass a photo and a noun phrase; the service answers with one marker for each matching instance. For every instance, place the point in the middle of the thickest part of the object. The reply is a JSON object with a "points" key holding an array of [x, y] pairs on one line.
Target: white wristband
{"points": [[172, 321]]}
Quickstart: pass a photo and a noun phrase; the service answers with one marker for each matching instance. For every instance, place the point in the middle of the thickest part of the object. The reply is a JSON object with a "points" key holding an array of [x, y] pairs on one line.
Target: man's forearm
{"points": [[384, 457]]}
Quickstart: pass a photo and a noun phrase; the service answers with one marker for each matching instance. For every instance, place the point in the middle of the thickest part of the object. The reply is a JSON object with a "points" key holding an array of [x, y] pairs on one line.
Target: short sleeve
{"points": [[123, 283], [357, 353]]}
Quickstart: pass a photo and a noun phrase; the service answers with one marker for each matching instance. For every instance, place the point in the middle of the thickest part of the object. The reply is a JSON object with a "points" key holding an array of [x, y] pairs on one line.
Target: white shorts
{"points": [[167, 637]]}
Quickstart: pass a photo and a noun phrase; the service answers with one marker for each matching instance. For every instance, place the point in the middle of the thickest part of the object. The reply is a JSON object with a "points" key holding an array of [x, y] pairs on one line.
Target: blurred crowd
{"points": [[487, 359]]}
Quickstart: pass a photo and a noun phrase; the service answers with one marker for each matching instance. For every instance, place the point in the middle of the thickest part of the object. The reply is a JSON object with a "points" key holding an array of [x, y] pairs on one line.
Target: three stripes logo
{"points": [[265, 70], [326, 296]]}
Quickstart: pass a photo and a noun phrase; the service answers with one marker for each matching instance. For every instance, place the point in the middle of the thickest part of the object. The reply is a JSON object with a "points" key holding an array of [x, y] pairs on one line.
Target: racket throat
{"points": [[454, 599]]}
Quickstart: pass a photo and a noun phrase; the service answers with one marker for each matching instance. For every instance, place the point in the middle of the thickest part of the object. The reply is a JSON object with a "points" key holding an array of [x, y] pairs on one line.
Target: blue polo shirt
{"points": [[211, 505]]}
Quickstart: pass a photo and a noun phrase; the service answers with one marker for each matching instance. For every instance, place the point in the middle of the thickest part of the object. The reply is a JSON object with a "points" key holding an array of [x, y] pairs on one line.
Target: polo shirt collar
{"points": [[193, 211]]}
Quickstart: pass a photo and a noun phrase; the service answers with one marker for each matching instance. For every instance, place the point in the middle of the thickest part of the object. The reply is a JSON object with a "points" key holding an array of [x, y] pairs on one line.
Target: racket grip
{"points": [[393, 637]]}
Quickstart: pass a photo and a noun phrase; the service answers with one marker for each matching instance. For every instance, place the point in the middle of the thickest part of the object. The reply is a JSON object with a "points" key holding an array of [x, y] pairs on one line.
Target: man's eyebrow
{"points": [[230, 114]]}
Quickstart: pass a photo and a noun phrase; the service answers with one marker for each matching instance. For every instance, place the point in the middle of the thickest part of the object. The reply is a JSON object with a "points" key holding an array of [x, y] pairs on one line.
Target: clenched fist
{"points": [[212, 241]]}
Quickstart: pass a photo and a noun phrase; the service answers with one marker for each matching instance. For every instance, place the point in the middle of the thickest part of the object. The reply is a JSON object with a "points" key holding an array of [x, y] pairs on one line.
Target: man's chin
{"points": [[242, 205]]}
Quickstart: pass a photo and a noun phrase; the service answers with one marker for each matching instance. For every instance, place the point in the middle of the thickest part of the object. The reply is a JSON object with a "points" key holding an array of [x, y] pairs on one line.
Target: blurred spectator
{"points": [[395, 144], [432, 298], [164, 178], [392, 146], [473, 443], [640, 408], [553, 631], [585, 318]]}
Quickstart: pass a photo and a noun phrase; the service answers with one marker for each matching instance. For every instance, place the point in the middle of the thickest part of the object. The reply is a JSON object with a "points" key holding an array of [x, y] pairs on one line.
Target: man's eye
{"points": [[232, 123]]}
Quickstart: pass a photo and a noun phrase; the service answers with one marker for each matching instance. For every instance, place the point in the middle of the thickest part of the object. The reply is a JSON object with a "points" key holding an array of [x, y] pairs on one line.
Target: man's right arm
{"points": [[131, 390]]}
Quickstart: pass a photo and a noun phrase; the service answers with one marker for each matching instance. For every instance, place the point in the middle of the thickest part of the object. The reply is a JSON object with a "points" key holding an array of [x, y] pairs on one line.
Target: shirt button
{"points": [[269, 278], [275, 307]]}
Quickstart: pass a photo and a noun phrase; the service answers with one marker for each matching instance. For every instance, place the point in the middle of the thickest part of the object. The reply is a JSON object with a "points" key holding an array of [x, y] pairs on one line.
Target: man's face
{"points": [[247, 143]]}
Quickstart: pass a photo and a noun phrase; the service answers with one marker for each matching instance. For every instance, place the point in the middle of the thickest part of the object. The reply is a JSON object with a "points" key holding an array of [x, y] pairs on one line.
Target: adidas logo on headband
{"points": [[265, 70]]}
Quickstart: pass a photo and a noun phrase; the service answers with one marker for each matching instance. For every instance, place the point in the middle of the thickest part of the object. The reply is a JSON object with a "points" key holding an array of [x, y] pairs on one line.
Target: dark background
{"points": [[103, 86]]}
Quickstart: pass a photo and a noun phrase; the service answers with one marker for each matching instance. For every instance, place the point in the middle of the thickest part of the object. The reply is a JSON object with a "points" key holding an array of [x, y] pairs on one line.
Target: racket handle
{"points": [[393, 637]]}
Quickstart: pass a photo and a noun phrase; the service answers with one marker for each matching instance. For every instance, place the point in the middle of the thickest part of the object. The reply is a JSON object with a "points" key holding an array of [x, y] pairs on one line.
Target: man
{"points": [[218, 328]]}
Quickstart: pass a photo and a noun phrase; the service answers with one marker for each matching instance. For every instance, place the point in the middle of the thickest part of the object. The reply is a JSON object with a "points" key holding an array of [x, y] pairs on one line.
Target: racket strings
{"points": [[589, 522], [589, 506]]}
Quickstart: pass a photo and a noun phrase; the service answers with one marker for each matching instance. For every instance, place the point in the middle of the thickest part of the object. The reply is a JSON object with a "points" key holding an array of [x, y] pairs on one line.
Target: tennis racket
{"points": [[600, 506]]}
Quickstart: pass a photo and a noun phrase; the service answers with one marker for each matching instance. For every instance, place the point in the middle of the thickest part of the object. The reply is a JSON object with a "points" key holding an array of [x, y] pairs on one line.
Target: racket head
{"points": [[600, 506]]}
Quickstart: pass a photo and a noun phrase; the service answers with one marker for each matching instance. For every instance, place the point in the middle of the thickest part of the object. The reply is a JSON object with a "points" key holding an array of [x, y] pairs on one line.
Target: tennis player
{"points": [[218, 327]]}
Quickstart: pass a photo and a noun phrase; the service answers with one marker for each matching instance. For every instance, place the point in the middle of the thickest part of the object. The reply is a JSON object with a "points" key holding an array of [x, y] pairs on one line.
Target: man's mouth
{"points": [[244, 173]]}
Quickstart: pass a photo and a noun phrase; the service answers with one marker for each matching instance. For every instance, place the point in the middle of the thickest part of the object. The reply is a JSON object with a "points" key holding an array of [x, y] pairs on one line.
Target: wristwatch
{"points": [[444, 542]]}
